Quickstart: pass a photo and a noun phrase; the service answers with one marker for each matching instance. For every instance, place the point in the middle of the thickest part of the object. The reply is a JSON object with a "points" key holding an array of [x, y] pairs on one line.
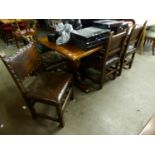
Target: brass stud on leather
{"points": [[1, 126]]}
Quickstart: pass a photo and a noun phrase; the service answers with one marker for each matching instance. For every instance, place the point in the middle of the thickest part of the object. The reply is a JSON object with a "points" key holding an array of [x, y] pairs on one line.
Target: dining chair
{"points": [[150, 37], [52, 23], [49, 88], [51, 59], [26, 33], [106, 63], [131, 46]]}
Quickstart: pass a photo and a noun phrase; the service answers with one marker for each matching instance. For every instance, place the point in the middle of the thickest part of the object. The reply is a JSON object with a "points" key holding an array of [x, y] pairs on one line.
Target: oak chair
{"points": [[48, 88], [51, 59], [107, 61], [132, 44], [52, 23]]}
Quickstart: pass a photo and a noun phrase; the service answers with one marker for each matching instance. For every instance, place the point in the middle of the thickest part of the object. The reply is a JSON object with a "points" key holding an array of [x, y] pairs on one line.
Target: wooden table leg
{"points": [[78, 77]]}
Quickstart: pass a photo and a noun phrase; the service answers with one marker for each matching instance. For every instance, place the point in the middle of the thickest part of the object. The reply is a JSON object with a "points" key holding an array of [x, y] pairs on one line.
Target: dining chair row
{"points": [[118, 53]]}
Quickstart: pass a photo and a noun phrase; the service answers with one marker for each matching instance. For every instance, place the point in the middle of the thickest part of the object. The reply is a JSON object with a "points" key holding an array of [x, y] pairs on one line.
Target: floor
{"points": [[122, 107]]}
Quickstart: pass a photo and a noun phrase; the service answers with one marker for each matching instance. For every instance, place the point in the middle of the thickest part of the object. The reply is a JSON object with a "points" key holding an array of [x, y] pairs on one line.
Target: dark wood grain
{"points": [[69, 51]]}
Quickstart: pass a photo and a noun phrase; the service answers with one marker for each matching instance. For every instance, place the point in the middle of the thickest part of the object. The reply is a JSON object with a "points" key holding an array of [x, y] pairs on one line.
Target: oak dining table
{"points": [[74, 55]]}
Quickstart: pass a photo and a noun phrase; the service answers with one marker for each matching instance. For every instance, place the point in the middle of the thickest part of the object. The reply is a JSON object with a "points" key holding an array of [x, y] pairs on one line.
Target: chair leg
{"points": [[72, 95], [100, 85], [101, 81], [116, 69], [153, 46], [132, 58], [30, 105], [122, 60], [60, 116], [121, 68]]}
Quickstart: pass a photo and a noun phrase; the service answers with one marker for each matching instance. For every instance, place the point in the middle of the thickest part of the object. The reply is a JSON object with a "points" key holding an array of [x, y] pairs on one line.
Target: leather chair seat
{"points": [[51, 58], [22, 25], [48, 87], [7, 28]]}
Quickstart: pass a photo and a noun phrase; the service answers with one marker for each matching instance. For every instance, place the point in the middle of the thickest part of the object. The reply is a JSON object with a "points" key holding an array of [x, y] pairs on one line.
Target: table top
{"points": [[69, 51], [10, 21]]}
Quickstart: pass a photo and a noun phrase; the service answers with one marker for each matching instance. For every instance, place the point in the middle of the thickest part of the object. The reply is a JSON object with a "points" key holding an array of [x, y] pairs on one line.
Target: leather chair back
{"points": [[136, 35], [24, 62]]}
